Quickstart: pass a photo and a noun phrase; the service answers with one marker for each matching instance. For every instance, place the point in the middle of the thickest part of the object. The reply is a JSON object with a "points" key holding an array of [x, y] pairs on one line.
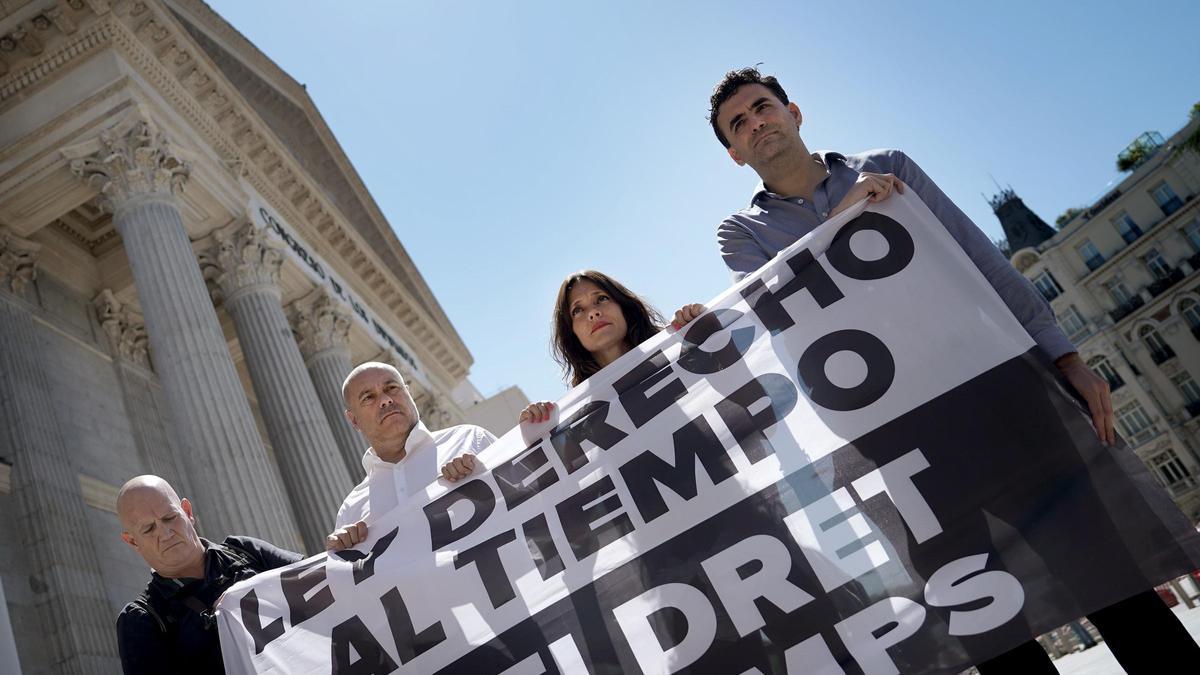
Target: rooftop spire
{"points": [[1022, 227]]}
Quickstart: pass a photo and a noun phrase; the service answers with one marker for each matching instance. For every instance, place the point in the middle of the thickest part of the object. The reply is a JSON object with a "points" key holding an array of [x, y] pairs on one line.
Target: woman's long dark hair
{"points": [[577, 363]]}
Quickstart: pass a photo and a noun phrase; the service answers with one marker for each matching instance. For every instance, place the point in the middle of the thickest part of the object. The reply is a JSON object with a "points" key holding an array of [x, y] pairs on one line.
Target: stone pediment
{"points": [[285, 108], [167, 44]]}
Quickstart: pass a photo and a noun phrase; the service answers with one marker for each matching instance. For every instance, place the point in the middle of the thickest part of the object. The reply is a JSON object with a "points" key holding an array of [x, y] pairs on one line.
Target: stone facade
{"points": [[1123, 279], [189, 266]]}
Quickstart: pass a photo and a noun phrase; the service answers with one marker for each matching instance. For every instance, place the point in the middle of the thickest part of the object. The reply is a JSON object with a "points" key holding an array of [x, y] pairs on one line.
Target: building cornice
{"points": [[1168, 154], [231, 39], [1139, 243], [161, 51]]}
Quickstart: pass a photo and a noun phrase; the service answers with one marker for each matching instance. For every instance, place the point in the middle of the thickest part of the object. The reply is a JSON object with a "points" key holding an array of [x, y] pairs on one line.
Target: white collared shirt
{"points": [[389, 484]]}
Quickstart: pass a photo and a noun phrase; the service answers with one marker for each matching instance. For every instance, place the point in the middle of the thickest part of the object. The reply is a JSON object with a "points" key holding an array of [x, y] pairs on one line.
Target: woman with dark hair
{"points": [[596, 321]]}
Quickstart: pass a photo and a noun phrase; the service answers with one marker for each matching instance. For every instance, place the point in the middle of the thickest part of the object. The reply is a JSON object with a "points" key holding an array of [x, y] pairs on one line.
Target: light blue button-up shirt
{"points": [[771, 223]]}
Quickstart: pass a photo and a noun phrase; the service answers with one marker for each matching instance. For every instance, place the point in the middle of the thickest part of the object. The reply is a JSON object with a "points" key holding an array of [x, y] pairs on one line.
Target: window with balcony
{"points": [[1190, 309], [1047, 285], [1118, 290], [1072, 323], [1190, 390], [1134, 423], [1166, 198], [1191, 232], [1157, 265], [1187, 386], [1126, 302], [1129, 230], [1090, 254], [1160, 351], [1171, 470], [1104, 369], [1164, 275]]}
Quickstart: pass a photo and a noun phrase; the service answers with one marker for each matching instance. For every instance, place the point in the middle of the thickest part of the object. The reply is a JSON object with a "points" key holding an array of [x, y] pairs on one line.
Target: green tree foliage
{"points": [[1066, 216]]}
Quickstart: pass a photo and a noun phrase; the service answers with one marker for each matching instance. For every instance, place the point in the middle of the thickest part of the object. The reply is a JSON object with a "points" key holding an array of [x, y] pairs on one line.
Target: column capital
{"points": [[431, 406], [436, 415], [18, 261], [319, 323], [129, 163], [242, 260], [125, 328]]}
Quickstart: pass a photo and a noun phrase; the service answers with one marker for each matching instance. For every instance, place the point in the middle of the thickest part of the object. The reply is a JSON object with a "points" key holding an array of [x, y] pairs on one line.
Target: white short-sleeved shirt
{"points": [[389, 484]]}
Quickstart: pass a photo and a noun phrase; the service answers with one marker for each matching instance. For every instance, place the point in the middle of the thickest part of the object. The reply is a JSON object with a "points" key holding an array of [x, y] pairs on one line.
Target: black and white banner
{"points": [[855, 462]]}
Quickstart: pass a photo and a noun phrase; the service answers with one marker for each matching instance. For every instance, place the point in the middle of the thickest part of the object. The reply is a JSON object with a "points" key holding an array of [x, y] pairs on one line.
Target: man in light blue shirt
{"points": [[752, 117], [800, 190]]}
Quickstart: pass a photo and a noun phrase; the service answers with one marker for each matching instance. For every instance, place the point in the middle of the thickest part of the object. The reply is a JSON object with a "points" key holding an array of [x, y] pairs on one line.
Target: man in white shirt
{"points": [[404, 457]]}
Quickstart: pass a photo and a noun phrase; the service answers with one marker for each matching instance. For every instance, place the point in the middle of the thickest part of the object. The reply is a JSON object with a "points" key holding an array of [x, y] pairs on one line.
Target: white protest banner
{"points": [[856, 459]]}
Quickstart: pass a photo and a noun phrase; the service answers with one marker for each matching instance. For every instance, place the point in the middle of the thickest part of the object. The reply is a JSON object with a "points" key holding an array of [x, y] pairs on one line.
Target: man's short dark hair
{"points": [[734, 80]]}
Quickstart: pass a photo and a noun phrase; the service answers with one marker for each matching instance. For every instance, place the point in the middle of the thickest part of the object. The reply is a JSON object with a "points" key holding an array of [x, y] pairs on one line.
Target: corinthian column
{"points": [[75, 621], [222, 452], [322, 328], [246, 268]]}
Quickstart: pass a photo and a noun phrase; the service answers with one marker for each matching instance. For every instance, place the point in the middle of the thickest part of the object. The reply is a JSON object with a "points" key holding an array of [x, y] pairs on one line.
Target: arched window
{"points": [[1159, 350], [1103, 368]]}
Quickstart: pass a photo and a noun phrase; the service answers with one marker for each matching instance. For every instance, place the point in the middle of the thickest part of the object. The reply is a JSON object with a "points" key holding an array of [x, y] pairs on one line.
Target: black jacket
{"points": [[163, 631]]}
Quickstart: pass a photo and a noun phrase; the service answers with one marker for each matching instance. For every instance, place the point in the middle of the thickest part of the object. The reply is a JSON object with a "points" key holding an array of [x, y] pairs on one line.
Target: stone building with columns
{"points": [[189, 266], [1122, 276]]}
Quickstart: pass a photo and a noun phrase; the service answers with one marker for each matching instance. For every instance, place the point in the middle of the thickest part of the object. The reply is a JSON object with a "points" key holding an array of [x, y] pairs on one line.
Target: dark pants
{"points": [[1143, 633]]}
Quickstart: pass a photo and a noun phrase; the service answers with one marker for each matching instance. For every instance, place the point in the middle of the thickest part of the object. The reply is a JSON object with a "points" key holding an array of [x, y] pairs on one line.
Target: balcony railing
{"points": [[1171, 205], [1162, 354], [1181, 487], [1048, 293], [1097, 260], [1147, 434], [1079, 336], [1192, 408], [1115, 382], [1126, 308], [1164, 283], [1131, 235]]}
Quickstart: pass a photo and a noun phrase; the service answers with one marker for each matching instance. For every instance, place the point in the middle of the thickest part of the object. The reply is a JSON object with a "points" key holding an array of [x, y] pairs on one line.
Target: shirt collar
{"points": [[826, 157], [417, 438]]}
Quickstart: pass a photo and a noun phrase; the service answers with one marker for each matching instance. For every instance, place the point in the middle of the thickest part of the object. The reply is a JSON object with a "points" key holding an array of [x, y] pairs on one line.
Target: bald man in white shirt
{"points": [[404, 456]]}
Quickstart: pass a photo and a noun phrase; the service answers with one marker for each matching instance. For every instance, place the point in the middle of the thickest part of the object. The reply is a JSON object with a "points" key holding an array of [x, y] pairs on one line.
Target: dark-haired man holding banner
{"points": [[753, 118]]}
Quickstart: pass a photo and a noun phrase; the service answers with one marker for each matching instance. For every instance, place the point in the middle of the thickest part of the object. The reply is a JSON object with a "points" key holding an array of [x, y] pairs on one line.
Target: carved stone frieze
{"points": [[29, 42], [18, 261], [125, 328], [62, 19]]}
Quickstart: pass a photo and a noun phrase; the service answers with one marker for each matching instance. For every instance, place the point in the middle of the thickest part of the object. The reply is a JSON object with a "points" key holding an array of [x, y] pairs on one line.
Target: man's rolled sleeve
{"points": [[1022, 299], [739, 250]]}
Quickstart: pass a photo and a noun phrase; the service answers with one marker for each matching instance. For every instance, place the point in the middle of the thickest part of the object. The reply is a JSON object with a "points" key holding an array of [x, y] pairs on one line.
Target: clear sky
{"points": [[511, 143]]}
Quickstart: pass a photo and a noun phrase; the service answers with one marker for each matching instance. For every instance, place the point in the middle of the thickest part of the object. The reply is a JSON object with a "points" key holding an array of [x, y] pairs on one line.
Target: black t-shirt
{"points": [[160, 633]]}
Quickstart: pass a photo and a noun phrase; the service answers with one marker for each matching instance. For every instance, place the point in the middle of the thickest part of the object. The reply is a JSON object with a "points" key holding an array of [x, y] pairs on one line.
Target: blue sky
{"points": [[511, 143]]}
